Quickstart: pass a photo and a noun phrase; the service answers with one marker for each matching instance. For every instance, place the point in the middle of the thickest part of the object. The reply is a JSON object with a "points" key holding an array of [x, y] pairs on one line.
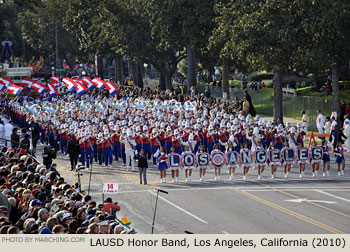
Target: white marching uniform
{"points": [[347, 134], [304, 122], [254, 139], [129, 152], [292, 140], [2, 133], [8, 131], [320, 123], [327, 127]]}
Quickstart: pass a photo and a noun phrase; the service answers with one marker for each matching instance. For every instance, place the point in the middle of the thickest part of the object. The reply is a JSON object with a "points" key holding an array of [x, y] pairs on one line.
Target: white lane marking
{"points": [[332, 195], [293, 189], [180, 208], [225, 232], [307, 200], [144, 218]]}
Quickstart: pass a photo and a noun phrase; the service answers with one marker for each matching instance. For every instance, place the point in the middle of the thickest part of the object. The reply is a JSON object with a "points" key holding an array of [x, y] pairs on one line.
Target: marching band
{"points": [[174, 135]]}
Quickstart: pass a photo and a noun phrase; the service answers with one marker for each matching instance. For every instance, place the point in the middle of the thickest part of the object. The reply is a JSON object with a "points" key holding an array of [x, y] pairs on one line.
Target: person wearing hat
{"points": [[346, 132], [104, 227], [73, 150], [130, 148], [35, 203], [5, 207], [107, 149], [320, 122], [304, 120], [3, 211], [7, 132]]}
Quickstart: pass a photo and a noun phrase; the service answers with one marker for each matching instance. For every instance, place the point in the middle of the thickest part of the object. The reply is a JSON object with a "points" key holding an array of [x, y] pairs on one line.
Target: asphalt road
{"points": [[308, 205]]}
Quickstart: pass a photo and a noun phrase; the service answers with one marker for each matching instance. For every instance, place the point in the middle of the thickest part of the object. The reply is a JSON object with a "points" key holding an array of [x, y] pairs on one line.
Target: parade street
{"points": [[294, 205]]}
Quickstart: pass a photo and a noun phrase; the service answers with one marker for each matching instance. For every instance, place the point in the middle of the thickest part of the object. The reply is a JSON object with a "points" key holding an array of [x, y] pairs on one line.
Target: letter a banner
{"points": [[232, 158]]}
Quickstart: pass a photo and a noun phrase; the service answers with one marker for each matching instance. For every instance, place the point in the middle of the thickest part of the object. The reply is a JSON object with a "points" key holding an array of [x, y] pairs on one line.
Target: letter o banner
{"points": [[188, 159]]}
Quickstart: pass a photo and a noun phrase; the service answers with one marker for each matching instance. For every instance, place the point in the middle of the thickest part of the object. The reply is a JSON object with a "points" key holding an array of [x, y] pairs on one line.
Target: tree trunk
{"points": [[225, 73], [100, 66], [168, 82], [162, 77], [133, 71], [119, 70], [335, 92], [191, 66], [139, 79], [277, 95]]}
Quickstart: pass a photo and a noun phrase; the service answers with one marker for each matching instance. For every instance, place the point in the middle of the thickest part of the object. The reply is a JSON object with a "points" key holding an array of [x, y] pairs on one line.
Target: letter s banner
{"points": [[260, 157], [232, 158], [203, 159], [316, 154], [218, 159], [174, 160]]}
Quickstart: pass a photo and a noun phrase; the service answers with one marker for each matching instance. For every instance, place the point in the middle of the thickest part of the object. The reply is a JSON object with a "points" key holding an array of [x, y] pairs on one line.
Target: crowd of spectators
{"points": [[35, 199]]}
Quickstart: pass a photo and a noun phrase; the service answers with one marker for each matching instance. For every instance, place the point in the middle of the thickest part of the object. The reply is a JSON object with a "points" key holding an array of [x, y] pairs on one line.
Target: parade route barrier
{"points": [[313, 135]]}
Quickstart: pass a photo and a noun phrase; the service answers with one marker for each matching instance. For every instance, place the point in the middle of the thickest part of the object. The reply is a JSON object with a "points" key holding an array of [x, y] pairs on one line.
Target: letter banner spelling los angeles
{"points": [[232, 158], [302, 154], [203, 159], [316, 154], [218, 159], [246, 157], [174, 161], [288, 155], [274, 156], [188, 160], [260, 157]]}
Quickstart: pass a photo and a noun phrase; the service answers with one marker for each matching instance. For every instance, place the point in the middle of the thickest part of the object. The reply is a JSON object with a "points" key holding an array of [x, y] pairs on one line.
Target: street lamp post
{"points": [[56, 46], [56, 39]]}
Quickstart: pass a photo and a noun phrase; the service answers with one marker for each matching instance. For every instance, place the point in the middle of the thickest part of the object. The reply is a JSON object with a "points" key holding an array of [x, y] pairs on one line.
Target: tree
{"points": [[266, 35], [146, 31], [38, 29], [328, 27], [9, 27]]}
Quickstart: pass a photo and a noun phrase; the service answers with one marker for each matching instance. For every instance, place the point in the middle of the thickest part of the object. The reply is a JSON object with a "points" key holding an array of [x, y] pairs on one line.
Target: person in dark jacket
{"points": [[25, 143], [48, 155], [142, 164], [252, 111], [336, 136], [14, 139], [207, 93], [54, 140], [73, 149], [35, 131]]}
